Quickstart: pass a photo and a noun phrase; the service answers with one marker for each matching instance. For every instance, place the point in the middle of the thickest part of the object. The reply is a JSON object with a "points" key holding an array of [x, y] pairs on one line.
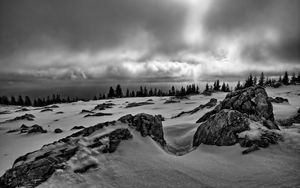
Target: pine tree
{"points": [[20, 101], [127, 93], [206, 87], [261, 79], [27, 101], [254, 80], [111, 93], [119, 92], [13, 101], [249, 81], [285, 79], [173, 90], [238, 86]]}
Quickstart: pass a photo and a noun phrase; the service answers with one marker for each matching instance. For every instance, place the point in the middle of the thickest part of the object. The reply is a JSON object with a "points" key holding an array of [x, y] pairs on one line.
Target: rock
{"points": [[221, 129], [32, 169], [104, 106], [58, 130], [46, 110], [36, 129], [86, 111], [266, 138], [250, 149], [126, 119], [12, 131], [171, 100], [135, 104], [77, 127], [98, 114], [149, 125], [22, 110], [28, 117], [23, 126], [252, 101], [209, 104], [60, 112], [278, 100], [53, 106]]}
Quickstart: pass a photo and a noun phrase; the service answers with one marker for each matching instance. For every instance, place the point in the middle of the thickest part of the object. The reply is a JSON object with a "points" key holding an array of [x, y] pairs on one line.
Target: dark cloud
{"points": [[259, 23], [119, 39], [86, 25]]}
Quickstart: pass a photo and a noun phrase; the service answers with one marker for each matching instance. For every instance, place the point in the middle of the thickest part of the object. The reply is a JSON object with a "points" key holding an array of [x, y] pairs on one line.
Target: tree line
{"points": [[252, 80], [143, 91], [217, 87], [26, 101]]}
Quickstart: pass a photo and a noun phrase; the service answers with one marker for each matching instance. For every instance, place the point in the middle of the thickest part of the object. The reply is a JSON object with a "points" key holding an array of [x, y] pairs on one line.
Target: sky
{"points": [[116, 40]]}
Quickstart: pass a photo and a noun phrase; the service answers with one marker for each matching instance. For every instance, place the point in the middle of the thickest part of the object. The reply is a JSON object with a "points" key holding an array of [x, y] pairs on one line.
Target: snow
{"points": [[141, 162]]}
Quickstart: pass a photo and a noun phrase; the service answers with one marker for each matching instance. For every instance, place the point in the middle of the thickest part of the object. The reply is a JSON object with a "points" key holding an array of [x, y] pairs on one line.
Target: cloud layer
{"points": [[55, 39]]}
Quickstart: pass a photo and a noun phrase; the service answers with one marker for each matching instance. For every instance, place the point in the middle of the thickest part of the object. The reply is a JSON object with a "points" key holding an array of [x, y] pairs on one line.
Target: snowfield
{"points": [[141, 162]]}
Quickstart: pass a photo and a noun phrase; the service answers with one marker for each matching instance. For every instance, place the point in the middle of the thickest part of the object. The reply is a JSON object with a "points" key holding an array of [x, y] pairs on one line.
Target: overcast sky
{"points": [[128, 39]]}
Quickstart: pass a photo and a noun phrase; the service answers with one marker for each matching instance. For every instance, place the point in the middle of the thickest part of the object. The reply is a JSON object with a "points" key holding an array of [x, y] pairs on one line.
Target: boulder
{"points": [[278, 100], [221, 129], [147, 125], [245, 112], [58, 130], [36, 129], [77, 127], [104, 106], [252, 101]]}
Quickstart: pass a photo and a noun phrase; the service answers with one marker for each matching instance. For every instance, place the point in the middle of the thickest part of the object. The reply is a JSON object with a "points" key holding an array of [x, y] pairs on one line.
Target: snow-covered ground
{"points": [[140, 162]]}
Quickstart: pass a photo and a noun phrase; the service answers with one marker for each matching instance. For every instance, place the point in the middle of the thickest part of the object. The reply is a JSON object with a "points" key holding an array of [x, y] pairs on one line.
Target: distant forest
{"points": [[149, 92]]}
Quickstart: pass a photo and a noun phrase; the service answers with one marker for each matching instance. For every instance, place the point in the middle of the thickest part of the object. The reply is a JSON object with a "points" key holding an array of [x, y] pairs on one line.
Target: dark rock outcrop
{"points": [[22, 110], [221, 129], [104, 106], [147, 125], [77, 127], [28, 117], [135, 104], [36, 167], [278, 100], [171, 100], [209, 104], [46, 110], [252, 101], [233, 115], [58, 130], [98, 114], [86, 111], [250, 149], [36, 129]]}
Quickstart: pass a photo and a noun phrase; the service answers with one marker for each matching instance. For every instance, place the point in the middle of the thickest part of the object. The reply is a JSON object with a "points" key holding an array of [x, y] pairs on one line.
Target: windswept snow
{"points": [[141, 162]]}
